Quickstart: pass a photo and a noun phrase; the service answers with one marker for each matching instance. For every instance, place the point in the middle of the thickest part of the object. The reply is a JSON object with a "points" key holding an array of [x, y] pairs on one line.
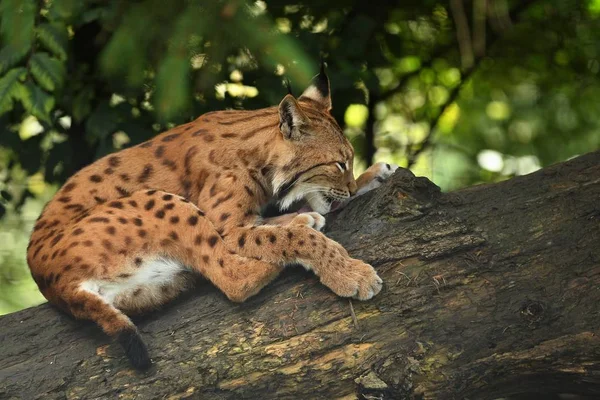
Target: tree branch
{"points": [[370, 132], [483, 298], [463, 34]]}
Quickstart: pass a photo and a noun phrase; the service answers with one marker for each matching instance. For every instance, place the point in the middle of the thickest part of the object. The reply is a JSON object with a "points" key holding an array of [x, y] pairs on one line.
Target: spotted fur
{"points": [[129, 232]]}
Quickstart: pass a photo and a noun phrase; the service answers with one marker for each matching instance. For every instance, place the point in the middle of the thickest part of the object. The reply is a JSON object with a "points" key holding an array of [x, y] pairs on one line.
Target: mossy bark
{"points": [[490, 291]]}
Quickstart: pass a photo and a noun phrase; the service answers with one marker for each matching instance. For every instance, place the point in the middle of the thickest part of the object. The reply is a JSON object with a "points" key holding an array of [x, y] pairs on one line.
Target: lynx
{"points": [[125, 234]]}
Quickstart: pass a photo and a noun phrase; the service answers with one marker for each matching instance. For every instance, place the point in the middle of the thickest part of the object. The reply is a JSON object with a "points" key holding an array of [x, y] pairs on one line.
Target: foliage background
{"points": [[460, 91]]}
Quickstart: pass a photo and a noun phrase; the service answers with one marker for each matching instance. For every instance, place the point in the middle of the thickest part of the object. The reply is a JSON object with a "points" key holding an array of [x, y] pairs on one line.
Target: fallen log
{"points": [[490, 292]]}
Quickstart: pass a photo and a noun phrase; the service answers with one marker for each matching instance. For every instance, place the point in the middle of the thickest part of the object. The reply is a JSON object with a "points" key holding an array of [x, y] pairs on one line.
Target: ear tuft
{"points": [[291, 118], [318, 90], [322, 66], [288, 86]]}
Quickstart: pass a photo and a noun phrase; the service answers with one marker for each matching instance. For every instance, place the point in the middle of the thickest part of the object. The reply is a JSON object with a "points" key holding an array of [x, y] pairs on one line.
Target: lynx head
{"points": [[321, 168]]}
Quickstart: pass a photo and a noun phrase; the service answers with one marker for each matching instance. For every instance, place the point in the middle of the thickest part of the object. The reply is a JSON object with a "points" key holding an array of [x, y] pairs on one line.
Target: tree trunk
{"points": [[491, 291]]}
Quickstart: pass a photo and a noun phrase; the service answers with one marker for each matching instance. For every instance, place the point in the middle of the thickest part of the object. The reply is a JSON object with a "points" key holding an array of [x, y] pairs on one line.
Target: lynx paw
{"points": [[311, 219], [375, 175], [357, 280], [385, 170]]}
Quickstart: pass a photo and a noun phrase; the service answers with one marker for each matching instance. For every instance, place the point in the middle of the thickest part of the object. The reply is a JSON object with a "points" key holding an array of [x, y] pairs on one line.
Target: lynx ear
{"points": [[318, 90], [291, 118]]}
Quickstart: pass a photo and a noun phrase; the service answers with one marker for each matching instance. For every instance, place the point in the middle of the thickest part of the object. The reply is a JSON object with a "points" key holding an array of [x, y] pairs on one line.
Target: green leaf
{"points": [[9, 86], [93, 14], [125, 53], [47, 71], [172, 87], [65, 10], [37, 102], [16, 24], [101, 123], [82, 103], [6, 195], [9, 57], [55, 38]]}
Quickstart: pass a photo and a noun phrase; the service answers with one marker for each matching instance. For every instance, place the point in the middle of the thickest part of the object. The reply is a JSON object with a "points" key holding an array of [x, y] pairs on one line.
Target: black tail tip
{"points": [[135, 349]]}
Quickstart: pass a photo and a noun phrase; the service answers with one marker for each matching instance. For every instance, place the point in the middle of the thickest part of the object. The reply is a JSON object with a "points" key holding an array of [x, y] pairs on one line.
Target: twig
{"points": [[479, 27], [463, 36], [404, 275], [412, 157], [354, 319]]}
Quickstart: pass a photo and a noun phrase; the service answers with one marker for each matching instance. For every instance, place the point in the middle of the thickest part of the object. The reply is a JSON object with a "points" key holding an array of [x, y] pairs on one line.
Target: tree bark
{"points": [[491, 291]]}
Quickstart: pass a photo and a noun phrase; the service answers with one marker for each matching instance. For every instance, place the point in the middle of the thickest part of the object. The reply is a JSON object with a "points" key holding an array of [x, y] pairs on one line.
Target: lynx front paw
{"points": [[374, 176], [382, 170], [311, 219], [357, 280]]}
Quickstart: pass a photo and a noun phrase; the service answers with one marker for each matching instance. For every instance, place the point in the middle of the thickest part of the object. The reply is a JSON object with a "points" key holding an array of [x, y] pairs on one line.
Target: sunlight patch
{"points": [[490, 160]]}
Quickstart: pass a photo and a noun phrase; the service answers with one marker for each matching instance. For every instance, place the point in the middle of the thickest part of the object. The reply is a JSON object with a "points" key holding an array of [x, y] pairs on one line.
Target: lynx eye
{"points": [[341, 166]]}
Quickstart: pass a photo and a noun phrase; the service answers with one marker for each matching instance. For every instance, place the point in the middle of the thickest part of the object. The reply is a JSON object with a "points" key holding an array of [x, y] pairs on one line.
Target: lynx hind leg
{"points": [[145, 246], [374, 177], [133, 254]]}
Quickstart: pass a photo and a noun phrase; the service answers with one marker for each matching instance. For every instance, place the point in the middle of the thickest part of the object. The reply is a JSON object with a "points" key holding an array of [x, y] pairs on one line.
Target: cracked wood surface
{"points": [[489, 291]]}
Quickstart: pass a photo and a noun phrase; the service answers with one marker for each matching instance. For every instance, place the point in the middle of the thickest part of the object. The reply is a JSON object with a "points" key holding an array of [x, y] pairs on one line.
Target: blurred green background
{"points": [[460, 91]]}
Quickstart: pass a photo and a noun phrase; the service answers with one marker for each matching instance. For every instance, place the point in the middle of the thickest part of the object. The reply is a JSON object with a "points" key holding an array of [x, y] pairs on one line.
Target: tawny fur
{"points": [[125, 234]]}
